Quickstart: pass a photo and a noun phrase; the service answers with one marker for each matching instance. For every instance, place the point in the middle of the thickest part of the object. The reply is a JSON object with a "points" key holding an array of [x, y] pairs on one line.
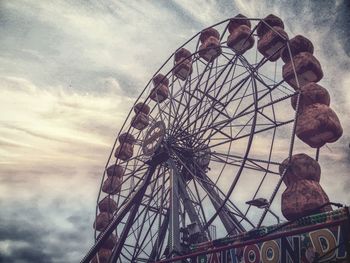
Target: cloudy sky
{"points": [[69, 73]]}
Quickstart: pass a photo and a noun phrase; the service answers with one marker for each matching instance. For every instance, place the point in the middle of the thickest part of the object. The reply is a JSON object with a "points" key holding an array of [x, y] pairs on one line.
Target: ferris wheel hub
{"points": [[154, 138]]}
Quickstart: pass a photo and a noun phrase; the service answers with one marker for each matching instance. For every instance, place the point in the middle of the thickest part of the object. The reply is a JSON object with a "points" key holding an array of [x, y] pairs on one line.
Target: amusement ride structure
{"points": [[210, 149]]}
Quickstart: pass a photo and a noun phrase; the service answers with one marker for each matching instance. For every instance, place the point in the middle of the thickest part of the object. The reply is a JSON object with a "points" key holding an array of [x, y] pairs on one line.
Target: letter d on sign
{"points": [[323, 241]]}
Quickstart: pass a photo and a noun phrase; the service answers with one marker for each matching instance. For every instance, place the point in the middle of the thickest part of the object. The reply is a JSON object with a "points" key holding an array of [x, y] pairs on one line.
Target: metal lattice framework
{"points": [[227, 128]]}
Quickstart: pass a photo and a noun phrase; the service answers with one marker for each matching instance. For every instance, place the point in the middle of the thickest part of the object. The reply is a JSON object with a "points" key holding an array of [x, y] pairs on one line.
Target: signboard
{"points": [[323, 237], [325, 245]]}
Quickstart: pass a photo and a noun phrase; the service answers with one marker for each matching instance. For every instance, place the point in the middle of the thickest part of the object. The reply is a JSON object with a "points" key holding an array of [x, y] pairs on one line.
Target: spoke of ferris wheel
{"points": [[129, 173], [161, 108], [224, 96], [188, 204], [150, 226], [225, 135], [194, 79], [253, 166], [138, 247], [222, 111], [195, 106], [198, 85], [229, 221], [206, 93], [234, 157], [133, 203], [160, 112], [222, 104], [182, 89], [199, 202], [199, 76], [234, 77], [171, 117], [133, 208], [179, 116], [261, 81], [273, 121], [250, 83], [246, 64], [136, 170], [98, 198], [227, 216], [196, 201], [151, 207], [268, 161], [206, 180], [184, 85], [260, 75], [211, 191], [144, 245], [188, 91], [127, 197], [233, 163], [239, 172], [162, 226], [141, 225], [229, 100], [170, 102], [230, 204], [273, 111], [131, 190], [157, 249], [206, 112], [265, 175], [168, 114], [189, 107], [214, 198], [256, 132], [218, 115], [151, 236], [136, 157], [231, 138], [124, 255], [178, 124], [221, 124], [227, 116]]}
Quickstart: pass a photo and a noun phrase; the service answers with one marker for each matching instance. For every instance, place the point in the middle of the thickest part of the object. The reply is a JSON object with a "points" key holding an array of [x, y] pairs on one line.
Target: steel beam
{"points": [[133, 204], [230, 223], [174, 224], [154, 256], [188, 204]]}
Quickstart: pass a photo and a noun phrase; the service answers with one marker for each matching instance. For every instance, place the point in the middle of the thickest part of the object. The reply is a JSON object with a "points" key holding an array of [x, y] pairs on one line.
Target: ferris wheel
{"points": [[199, 154]]}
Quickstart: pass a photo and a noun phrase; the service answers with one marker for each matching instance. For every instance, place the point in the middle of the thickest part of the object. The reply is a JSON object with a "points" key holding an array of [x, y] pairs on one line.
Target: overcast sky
{"points": [[69, 73]]}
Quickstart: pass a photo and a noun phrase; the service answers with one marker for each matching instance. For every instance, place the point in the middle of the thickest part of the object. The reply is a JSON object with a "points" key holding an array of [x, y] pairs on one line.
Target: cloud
{"points": [[52, 140], [43, 120], [37, 233], [69, 73]]}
